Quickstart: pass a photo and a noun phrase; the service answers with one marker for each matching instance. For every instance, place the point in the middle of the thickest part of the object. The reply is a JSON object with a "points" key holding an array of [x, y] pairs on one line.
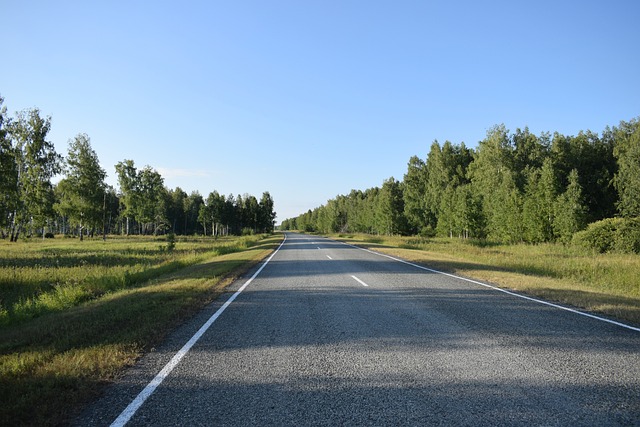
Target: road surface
{"points": [[328, 334]]}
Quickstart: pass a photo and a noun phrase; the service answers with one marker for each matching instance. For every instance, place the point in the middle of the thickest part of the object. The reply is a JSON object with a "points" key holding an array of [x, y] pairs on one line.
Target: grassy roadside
{"points": [[607, 284], [54, 361]]}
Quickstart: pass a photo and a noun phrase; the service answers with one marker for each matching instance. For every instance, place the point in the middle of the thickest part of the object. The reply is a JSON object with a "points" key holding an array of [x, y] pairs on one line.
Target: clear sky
{"points": [[310, 99]]}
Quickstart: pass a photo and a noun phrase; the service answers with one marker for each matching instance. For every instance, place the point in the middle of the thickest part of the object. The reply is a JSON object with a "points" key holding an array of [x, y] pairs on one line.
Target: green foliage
{"points": [[128, 182], [539, 205], [266, 215], [82, 201], [460, 214], [389, 212], [513, 188], [445, 167], [415, 181], [627, 180], [171, 242], [627, 236], [611, 235], [175, 210], [8, 170], [570, 212], [243, 215], [36, 162], [144, 196], [152, 196], [192, 207], [81, 193], [593, 158]]}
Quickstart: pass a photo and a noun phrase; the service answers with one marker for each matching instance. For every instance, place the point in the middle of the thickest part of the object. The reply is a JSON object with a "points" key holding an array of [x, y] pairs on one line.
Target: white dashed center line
{"points": [[360, 281]]}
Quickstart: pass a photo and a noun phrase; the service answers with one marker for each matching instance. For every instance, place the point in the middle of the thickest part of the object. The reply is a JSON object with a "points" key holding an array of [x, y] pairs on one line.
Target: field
{"points": [[607, 284], [73, 314]]}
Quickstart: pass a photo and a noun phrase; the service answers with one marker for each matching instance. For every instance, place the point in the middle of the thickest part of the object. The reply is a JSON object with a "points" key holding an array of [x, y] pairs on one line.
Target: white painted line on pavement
{"points": [[539, 301], [360, 281], [329, 257], [133, 407]]}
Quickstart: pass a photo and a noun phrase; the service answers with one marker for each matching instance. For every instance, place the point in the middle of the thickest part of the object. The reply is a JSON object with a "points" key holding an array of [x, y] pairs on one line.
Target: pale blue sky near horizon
{"points": [[308, 99]]}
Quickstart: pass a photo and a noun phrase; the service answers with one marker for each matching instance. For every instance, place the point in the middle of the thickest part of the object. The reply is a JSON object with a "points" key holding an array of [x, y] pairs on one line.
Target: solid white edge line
{"points": [[133, 407], [360, 281], [539, 301]]}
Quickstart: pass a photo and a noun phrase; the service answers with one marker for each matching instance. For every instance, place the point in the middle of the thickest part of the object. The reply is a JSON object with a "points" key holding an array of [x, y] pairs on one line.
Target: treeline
{"points": [[515, 187], [82, 203]]}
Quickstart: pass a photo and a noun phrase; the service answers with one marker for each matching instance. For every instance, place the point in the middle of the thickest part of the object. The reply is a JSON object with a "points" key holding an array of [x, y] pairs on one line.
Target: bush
{"points": [[171, 242], [611, 235], [627, 237]]}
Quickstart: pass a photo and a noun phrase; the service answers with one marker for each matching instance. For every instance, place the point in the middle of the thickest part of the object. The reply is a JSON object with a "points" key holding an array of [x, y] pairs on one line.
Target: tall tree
{"points": [[8, 171], [37, 162], [539, 204], [570, 212], [267, 215], [447, 221], [112, 209], [191, 211], [251, 212], [216, 204], [415, 183], [627, 179], [229, 214], [469, 217], [503, 210], [493, 181], [151, 210], [129, 183], [390, 209], [529, 153], [204, 217], [82, 191], [175, 211], [593, 158]]}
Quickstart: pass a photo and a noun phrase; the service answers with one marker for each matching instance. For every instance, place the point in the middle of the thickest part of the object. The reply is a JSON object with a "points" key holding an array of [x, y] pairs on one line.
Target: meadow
{"points": [[606, 284], [74, 314]]}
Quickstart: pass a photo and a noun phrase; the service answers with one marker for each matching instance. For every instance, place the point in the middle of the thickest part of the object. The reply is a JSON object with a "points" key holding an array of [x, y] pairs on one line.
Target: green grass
{"points": [[79, 312], [608, 284]]}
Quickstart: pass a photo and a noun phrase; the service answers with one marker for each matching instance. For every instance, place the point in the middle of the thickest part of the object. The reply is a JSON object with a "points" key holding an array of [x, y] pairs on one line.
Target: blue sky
{"points": [[310, 99]]}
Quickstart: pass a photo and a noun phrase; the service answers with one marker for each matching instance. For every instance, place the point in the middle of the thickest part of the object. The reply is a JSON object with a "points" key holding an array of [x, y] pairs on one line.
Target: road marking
{"points": [[360, 281], [319, 247], [539, 301], [329, 257], [133, 407]]}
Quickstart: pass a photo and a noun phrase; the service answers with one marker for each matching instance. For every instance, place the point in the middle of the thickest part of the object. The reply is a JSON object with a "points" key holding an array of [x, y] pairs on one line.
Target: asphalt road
{"points": [[328, 334]]}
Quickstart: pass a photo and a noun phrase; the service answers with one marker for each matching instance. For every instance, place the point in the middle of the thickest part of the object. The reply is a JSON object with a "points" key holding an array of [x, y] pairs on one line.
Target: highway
{"points": [[329, 334]]}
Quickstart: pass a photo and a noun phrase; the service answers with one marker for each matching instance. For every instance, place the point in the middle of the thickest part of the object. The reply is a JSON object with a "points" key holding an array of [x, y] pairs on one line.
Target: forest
{"points": [[81, 203], [515, 187]]}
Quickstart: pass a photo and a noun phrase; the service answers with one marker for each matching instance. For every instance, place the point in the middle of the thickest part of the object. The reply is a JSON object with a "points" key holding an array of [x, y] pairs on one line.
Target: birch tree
{"points": [[36, 163], [82, 191]]}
